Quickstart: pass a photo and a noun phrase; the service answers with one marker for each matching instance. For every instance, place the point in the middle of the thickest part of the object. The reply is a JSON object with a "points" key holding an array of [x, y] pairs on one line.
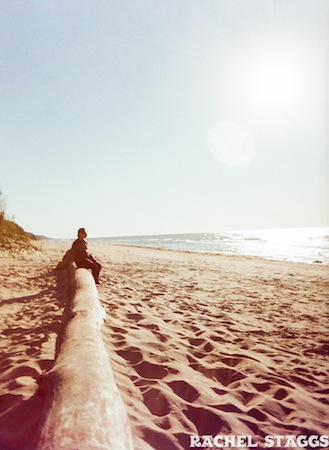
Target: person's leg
{"points": [[95, 271], [95, 268]]}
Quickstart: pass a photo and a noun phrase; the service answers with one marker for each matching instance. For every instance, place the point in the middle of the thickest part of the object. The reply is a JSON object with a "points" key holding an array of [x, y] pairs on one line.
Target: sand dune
{"points": [[199, 344]]}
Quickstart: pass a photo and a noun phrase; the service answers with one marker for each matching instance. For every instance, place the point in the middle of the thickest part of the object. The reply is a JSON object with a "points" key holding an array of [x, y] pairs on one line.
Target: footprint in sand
{"points": [[224, 375], [151, 326], [151, 371], [248, 397], [159, 439], [196, 342], [135, 316], [203, 345], [280, 394], [261, 387], [117, 329], [232, 362], [257, 414], [132, 354], [207, 421], [156, 402], [116, 339], [184, 390], [230, 408], [161, 337]]}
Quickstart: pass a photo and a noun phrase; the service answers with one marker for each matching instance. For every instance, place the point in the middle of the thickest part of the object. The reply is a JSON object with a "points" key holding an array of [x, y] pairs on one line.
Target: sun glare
{"points": [[273, 83]]}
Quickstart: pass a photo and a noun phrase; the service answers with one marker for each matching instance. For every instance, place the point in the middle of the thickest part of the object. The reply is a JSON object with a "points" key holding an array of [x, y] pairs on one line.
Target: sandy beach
{"points": [[199, 344]]}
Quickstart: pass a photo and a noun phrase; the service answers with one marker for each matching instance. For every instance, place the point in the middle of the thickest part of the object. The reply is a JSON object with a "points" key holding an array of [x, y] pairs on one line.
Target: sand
{"points": [[199, 344]]}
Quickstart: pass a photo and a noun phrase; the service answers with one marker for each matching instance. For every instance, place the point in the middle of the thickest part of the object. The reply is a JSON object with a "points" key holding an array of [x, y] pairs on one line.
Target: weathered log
{"points": [[83, 409]]}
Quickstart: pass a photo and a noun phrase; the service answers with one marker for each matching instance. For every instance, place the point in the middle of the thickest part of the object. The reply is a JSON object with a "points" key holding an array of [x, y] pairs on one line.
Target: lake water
{"points": [[293, 244]]}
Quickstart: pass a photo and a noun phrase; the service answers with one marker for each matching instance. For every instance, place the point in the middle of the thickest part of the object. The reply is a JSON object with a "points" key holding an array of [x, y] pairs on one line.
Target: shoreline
{"points": [[223, 254], [94, 243], [199, 343]]}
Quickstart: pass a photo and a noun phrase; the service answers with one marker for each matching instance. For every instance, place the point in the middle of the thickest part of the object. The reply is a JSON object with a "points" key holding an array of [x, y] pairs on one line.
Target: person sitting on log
{"points": [[81, 256]]}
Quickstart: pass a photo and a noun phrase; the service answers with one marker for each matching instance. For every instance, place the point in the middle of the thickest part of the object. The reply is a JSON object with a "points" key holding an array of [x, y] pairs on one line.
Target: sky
{"points": [[156, 117]]}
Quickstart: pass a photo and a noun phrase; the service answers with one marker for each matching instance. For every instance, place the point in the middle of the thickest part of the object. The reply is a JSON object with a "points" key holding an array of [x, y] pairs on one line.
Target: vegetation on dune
{"points": [[12, 236]]}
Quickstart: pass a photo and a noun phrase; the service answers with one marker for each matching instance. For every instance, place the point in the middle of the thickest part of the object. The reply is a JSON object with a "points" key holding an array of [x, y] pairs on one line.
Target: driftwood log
{"points": [[83, 407]]}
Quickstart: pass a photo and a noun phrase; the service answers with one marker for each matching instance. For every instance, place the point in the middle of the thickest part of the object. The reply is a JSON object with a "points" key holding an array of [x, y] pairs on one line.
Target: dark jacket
{"points": [[80, 250]]}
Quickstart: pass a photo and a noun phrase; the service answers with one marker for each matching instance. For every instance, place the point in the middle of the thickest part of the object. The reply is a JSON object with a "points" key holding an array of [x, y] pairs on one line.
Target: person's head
{"points": [[82, 233]]}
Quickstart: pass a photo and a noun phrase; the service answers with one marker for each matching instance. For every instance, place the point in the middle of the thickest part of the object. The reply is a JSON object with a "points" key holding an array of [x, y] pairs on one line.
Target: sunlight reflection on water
{"points": [[300, 244]]}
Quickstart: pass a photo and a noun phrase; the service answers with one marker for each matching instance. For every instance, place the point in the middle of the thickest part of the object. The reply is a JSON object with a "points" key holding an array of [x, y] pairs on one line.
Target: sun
{"points": [[273, 83]]}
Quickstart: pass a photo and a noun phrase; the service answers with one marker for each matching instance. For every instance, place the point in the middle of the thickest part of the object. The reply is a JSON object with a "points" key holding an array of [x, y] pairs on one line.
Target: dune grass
{"points": [[14, 237]]}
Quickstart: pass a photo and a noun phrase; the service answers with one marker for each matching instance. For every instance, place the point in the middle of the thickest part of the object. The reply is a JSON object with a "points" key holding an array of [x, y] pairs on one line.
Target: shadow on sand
{"points": [[20, 417]]}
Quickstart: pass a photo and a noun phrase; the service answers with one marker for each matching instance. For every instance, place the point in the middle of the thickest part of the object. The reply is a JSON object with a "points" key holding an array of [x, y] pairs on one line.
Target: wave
{"points": [[291, 244]]}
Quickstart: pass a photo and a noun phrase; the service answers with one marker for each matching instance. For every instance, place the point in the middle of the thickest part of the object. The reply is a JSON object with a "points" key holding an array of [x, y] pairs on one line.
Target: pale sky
{"points": [[170, 116]]}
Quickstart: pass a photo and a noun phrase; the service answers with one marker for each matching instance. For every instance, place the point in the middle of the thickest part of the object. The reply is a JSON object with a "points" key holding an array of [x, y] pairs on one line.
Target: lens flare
{"points": [[231, 144]]}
